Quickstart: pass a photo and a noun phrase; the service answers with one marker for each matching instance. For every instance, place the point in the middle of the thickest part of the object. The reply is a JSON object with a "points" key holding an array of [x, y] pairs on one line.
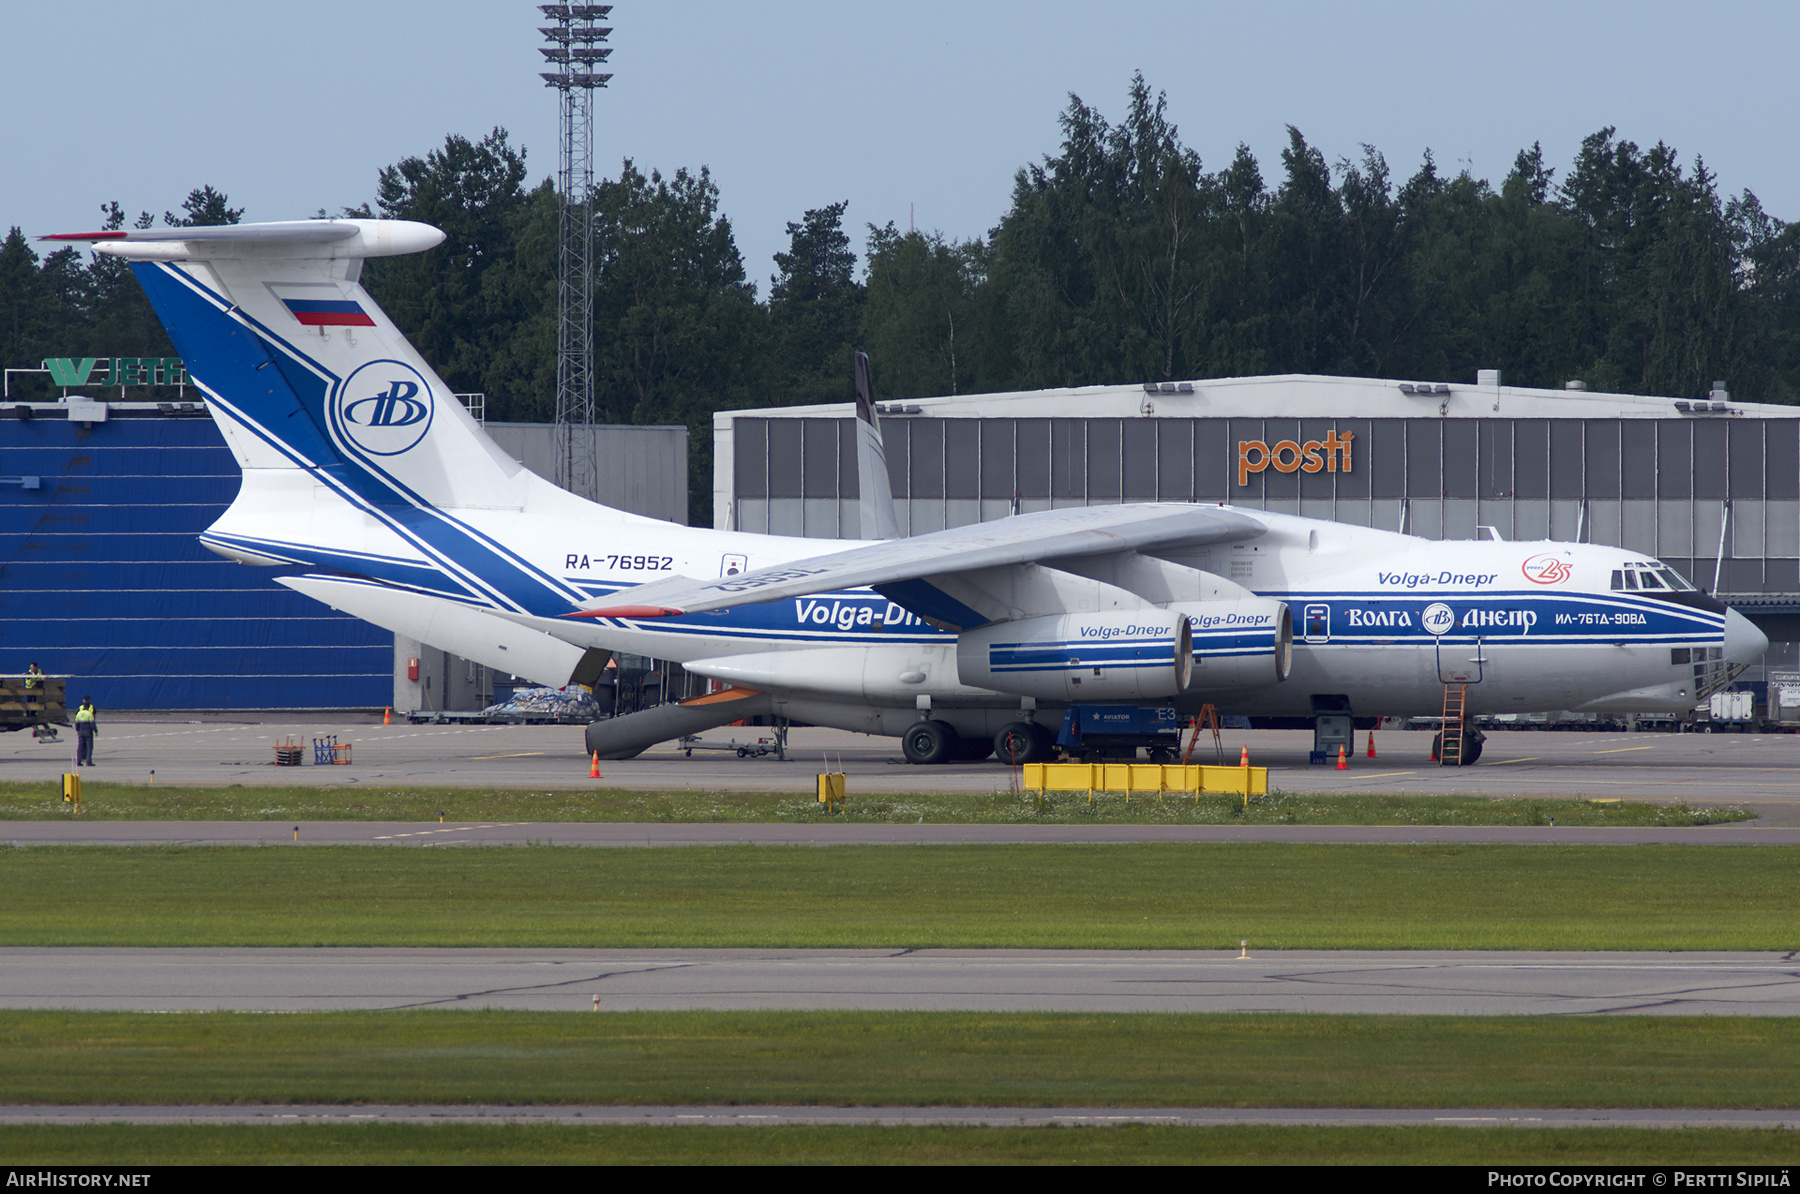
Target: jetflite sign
{"points": [[115, 371], [1287, 456]]}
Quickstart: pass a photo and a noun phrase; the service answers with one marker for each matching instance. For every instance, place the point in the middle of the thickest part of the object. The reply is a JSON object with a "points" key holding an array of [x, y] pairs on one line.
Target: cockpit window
{"points": [[1656, 577]]}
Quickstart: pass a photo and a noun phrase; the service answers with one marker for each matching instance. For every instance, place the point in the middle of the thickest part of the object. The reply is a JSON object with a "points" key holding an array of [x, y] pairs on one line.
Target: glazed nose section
{"points": [[1744, 643]]}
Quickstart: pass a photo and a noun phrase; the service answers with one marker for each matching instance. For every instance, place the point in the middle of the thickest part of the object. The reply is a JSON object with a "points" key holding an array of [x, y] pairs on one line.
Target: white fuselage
{"points": [[1383, 619], [375, 489]]}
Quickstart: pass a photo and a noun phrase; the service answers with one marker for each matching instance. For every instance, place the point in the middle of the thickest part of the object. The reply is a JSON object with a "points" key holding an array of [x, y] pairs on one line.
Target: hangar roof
{"points": [[1297, 395]]}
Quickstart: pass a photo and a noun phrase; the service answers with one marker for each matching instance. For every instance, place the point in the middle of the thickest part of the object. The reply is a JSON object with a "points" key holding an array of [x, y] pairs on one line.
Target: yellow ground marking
{"points": [[1621, 750], [524, 754], [1503, 762]]}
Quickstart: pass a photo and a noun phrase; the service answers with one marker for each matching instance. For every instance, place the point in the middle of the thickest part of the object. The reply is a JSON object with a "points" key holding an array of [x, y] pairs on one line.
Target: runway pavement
{"points": [[1758, 770], [1349, 982]]}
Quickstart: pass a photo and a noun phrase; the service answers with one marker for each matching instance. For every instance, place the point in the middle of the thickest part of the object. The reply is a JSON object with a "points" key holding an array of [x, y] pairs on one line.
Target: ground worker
{"points": [[34, 690], [85, 729]]}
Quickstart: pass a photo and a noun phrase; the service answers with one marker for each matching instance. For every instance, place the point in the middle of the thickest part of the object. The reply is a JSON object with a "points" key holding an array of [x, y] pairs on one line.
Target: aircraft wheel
{"points": [[1021, 742], [928, 742], [1472, 746]]}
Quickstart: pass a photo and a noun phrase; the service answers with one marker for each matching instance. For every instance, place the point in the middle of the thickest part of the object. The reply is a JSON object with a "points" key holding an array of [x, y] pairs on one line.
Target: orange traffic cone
{"points": [[1371, 744], [387, 716], [594, 770], [1244, 760], [1343, 759]]}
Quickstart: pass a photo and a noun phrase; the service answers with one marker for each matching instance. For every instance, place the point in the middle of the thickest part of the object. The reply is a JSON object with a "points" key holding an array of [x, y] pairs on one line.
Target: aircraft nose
{"points": [[1744, 643]]}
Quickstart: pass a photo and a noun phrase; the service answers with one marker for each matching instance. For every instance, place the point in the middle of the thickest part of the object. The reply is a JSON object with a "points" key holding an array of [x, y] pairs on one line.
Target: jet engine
{"points": [[1239, 644], [1120, 656]]}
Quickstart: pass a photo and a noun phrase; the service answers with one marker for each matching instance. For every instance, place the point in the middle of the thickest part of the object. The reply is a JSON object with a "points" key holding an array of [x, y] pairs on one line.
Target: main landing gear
{"points": [[938, 742]]}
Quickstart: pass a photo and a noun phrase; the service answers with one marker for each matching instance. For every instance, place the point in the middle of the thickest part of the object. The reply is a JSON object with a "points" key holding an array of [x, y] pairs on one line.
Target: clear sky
{"points": [[927, 108]]}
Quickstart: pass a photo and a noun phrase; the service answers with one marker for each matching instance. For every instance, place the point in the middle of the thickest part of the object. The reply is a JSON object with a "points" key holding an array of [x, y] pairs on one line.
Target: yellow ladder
{"points": [[1456, 700]]}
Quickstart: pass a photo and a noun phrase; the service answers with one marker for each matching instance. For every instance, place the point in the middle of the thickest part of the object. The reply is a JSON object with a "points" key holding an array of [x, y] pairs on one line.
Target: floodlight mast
{"points": [[573, 54]]}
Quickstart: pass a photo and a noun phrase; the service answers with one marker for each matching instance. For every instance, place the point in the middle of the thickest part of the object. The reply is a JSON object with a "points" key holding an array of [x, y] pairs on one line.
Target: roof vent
{"points": [[1719, 392], [1574, 385], [1487, 377]]}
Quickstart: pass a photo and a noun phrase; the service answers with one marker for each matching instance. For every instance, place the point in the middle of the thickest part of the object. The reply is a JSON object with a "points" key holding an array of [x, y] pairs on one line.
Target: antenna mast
{"points": [[573, 54]]}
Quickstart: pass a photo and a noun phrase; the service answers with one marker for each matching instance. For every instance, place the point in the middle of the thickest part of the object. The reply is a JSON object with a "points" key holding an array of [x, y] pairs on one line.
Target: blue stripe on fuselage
{"points": [[1349, 618]]}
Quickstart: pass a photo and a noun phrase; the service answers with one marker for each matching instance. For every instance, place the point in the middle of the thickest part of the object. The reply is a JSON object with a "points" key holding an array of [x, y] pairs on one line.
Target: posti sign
{"points": [[1329, 455], [116, 371]]}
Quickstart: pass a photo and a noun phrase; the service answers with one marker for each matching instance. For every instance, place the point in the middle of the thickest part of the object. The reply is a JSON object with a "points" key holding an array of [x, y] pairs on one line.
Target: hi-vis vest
{"points": [[85, 713]]}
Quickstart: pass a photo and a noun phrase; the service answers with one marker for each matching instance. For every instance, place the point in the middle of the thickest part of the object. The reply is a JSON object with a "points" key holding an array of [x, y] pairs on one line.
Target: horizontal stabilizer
{"points": [[310, 239]]}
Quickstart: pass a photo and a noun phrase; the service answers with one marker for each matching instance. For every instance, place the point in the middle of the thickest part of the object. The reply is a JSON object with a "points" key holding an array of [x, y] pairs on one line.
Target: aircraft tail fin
{"points": [[358, 460], [879, 520], [303, 370]]}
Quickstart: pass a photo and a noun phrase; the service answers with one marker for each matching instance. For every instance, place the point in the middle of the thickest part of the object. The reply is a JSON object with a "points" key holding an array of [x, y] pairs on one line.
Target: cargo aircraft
{"points": [[374, 491]]}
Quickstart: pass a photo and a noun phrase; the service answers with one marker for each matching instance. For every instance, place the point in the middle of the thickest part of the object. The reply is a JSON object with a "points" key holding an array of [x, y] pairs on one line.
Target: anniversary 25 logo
{"points": [[1546, 570], [384, 408]]}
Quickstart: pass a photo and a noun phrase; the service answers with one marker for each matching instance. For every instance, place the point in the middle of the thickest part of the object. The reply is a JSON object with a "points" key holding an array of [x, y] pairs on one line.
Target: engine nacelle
{"points": [[1239, 644], [1086, 657]]}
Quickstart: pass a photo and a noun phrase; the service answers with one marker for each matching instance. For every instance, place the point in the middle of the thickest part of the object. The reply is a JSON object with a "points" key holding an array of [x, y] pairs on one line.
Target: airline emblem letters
{"points": [[1438, 618], [385, 407]]}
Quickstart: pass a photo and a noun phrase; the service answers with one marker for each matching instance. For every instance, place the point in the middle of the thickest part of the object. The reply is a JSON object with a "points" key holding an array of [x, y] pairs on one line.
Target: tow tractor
{"points": [[1096, 732]]}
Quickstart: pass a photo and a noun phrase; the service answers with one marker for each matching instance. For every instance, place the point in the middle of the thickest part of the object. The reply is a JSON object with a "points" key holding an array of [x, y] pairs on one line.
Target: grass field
{"points": [[1145, 896], [1131, 1144], [852, 1059], [1140, 896], [136, 802]]}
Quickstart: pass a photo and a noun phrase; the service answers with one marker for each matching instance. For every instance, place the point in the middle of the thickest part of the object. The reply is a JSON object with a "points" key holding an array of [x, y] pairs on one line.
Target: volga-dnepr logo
{"points": [[384, 408]]}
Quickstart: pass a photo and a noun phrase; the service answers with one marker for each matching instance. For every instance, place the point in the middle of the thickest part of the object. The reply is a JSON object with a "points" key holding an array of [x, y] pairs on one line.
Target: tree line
{"points": [[1119, 259]]}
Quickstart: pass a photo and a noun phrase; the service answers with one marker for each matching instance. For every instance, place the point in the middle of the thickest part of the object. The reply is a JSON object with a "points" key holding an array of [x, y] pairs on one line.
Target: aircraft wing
{"points": [[894, 565]]}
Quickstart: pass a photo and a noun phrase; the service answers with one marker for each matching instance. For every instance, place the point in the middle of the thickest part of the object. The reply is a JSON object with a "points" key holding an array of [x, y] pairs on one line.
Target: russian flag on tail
{"points": [[329, 313]]}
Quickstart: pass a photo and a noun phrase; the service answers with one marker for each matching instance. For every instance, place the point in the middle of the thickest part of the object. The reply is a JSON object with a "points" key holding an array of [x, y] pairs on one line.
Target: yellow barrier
{"points": [[1145, 777], [832, 789], [72, 791]]}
